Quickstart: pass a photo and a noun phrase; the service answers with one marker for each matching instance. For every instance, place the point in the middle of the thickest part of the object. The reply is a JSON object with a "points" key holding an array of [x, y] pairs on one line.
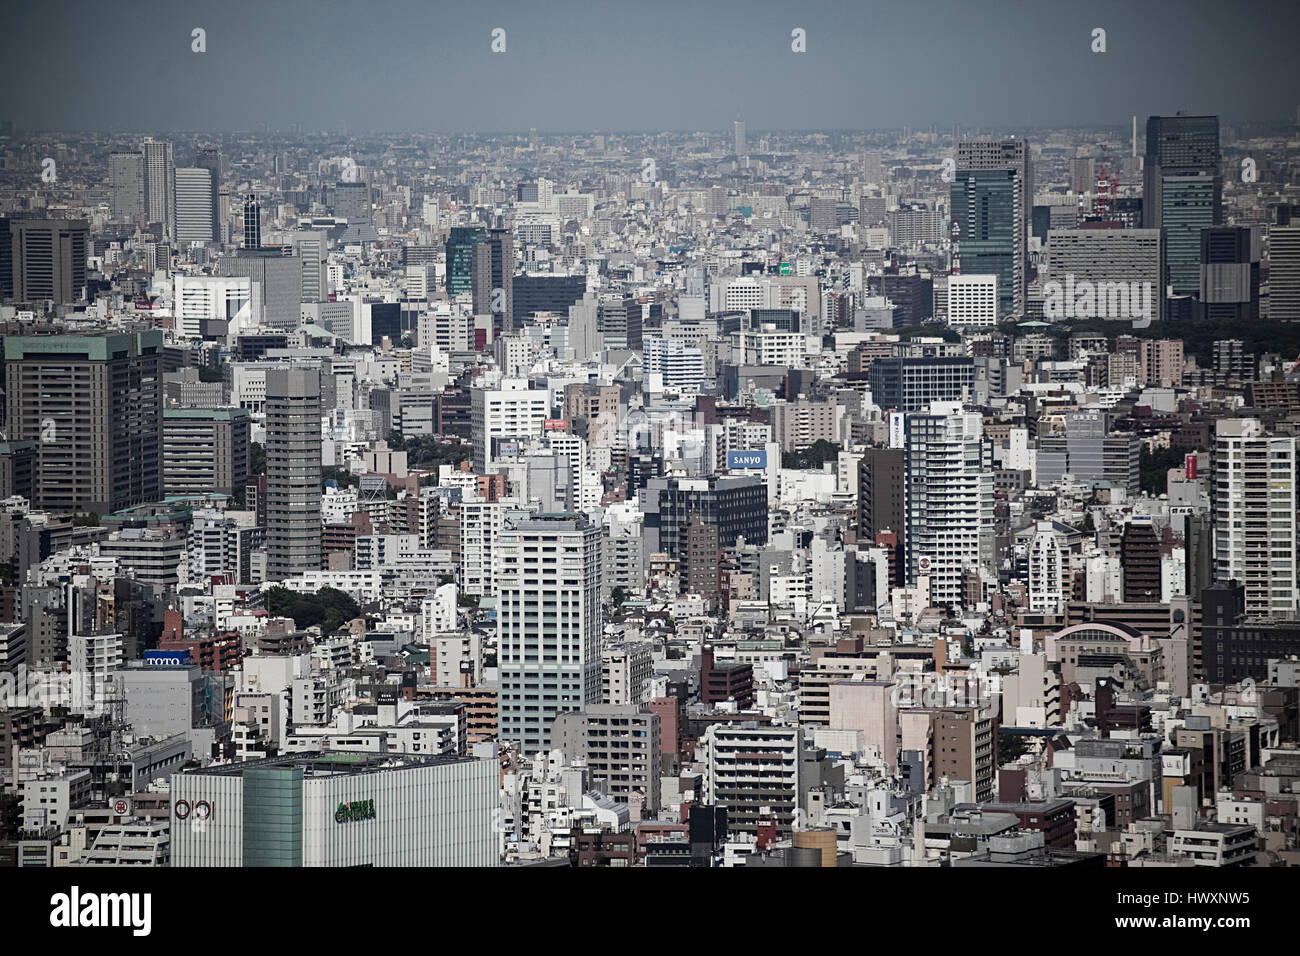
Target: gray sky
{"points": [[427, 66]]}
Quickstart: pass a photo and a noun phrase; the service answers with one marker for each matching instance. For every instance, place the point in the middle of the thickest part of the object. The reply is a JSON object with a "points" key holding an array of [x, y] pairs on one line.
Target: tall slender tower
{"points": [[991, 199], [1255, 529], [738, 132], [549, 623], [293, 471], [209, 158], [160, 185], [1182, 189], [252, 223]]}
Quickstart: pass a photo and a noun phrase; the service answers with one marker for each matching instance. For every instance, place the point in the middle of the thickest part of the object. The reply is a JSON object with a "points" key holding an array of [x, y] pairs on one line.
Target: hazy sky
{"points": [[426, 65]]}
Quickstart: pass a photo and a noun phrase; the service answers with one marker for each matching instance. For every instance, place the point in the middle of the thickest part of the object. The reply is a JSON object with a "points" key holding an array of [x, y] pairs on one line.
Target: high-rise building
{"points": [[619, 745], [753, 772], [352, 202], [252, 223], [1229, 273], [948, 501], [209, 158], [881, 484], [126, 187], [312, 249], [1182, 189], [736, 504], [823, 215], [1140, 562], [549, 624], [93, 405], [1255, 524], [48, 259], [1284, 273], [1105, 256], [460, 258], [620, 322], [277, 275], [293, 471], [990, 202], [195, 209], [6, 260], [205, 450], [972, 301], [910, 384], [160, 185], [505, 414], [544, 293], [738, 135], [500, 245], [963, 749]]}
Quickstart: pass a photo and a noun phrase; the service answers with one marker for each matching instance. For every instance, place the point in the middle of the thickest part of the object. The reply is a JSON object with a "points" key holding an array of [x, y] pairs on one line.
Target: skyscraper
{"points": [[991, 197], [948, 500], [194, 206], [460, 258], [93, 405], [502, 245], [1255, 528], [293, 471], [252, 223], [48, 259], [1284, 273], [738, 133], [1108, 255], [160, 185], [126, 186], [549, 624], [1229, 273], [1182, 190]]}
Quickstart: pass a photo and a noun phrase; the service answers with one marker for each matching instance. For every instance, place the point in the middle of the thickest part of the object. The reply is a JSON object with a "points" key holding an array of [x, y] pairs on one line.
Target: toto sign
{"points": [[202, 809]]}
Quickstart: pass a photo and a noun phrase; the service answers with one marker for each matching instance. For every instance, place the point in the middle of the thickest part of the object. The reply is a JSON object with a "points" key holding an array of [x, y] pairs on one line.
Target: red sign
{"points": [[555, 425], [1189, 463]]}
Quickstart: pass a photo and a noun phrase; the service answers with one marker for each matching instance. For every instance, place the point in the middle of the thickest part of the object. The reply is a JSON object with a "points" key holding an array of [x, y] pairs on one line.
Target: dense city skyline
{"points": [[685, 435]]}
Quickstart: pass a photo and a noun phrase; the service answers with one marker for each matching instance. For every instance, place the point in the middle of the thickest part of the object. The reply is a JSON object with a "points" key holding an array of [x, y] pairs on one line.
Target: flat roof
{"points": [[321, 763]]}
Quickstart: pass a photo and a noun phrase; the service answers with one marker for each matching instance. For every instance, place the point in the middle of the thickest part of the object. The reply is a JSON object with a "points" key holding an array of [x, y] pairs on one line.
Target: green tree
{"points": [[814, 456], [344, 477], [1153, 468], [256, 459], [1010, 747], [328, 608]]}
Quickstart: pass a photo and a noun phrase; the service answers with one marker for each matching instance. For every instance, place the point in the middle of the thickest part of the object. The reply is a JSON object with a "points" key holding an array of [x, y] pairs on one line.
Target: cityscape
{"points": [[603, 494]]}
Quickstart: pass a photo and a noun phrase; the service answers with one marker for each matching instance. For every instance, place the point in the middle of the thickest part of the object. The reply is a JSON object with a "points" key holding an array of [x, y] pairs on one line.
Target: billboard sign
{"points": [[166, 658], [747, 459]]}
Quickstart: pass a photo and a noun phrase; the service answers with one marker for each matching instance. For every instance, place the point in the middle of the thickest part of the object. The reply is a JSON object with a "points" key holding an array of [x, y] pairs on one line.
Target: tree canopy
{"points": [[328, 608]]}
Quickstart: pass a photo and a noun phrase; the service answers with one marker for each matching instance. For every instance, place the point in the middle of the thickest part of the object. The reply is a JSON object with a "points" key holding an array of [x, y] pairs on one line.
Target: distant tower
{"points": [[160, 185], [252, 223], [738, 129], [293, 471]]}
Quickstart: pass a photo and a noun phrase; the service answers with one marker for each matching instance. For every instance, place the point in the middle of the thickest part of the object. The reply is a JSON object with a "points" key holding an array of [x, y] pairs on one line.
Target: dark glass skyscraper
{"points": [[1229, 273], [1181, 191], [991, 198], [252, 224], [460, 258]]}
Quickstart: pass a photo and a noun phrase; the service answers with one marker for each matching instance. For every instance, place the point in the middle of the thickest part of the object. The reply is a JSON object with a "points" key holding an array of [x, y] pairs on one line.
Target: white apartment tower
{"points": [[549, 624], [1048, 571], [948, 500], [1255, 527]]}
